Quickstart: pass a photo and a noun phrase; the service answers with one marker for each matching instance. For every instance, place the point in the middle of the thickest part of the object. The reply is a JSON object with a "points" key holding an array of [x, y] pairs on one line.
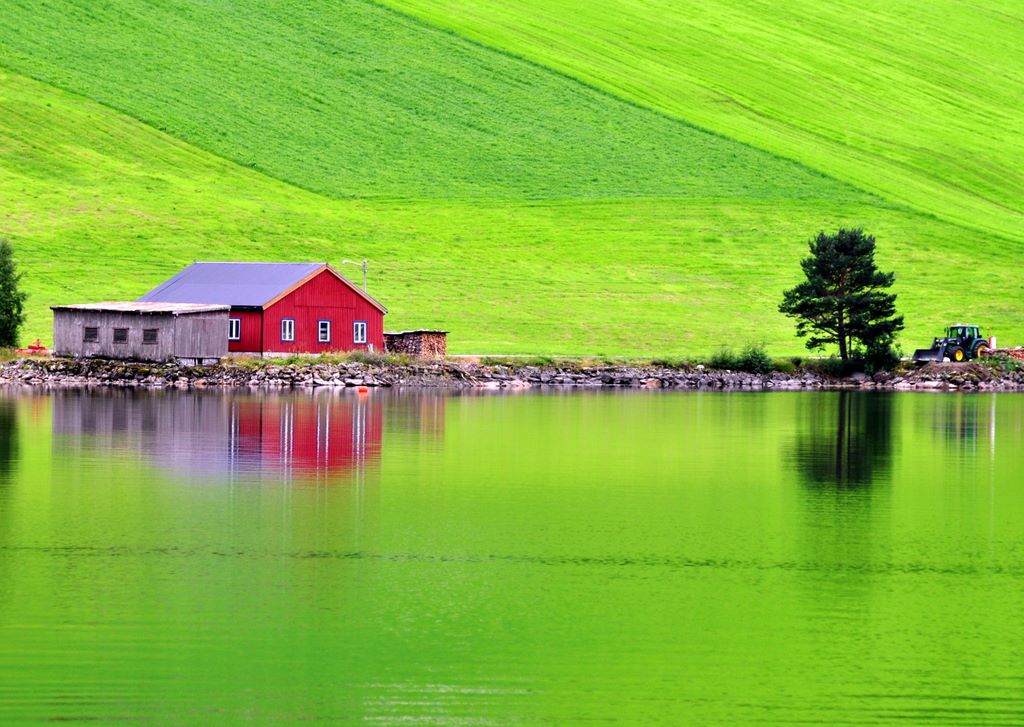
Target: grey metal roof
{"points": [[237, 284], [134, 306]]}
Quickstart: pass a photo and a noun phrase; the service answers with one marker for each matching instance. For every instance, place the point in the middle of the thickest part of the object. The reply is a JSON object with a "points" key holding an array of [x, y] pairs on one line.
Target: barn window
{"points": [[234, 329], [149, 335], [359, 332], [91, 334], [287, 329], [120, 335], [323, 334]]}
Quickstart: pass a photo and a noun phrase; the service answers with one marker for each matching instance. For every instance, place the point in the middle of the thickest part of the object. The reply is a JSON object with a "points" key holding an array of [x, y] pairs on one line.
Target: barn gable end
{"points": [[325, 297]]}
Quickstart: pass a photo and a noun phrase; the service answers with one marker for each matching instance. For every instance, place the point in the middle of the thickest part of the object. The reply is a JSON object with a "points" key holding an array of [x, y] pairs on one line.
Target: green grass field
{"points": [[917, 102], [521, 209]]}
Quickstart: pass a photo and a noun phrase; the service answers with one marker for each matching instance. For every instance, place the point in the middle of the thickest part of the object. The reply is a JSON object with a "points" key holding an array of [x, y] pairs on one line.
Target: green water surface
{"points": [[417, 558]]}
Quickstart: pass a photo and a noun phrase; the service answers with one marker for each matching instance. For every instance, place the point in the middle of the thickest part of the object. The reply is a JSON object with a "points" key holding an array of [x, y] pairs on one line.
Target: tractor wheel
{"points": [[957, 354], [980, 350]]}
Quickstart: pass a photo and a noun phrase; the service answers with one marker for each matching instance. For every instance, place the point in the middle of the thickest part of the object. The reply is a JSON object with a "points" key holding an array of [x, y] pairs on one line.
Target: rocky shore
{"points": [[57, 372]]}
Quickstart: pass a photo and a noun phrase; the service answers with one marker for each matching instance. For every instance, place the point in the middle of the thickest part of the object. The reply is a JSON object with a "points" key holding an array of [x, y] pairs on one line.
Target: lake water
{"points": [[644, 557]]}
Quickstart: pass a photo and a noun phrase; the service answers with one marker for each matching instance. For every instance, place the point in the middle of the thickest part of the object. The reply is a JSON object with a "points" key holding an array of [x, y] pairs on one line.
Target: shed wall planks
{"points": [[201, 335], [197, 335]]}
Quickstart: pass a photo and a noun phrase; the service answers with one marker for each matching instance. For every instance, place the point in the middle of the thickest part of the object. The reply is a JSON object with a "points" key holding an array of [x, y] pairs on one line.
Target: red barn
{"points": [[282, 308]]}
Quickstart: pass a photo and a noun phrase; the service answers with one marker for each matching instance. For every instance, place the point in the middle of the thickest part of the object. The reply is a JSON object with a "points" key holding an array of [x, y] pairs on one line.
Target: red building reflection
{"points": [[212, 434], [304, 435]]}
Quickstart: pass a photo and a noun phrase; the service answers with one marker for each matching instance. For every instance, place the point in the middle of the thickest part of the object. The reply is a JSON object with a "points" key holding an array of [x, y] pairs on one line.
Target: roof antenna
{"points": [[361, 264]]}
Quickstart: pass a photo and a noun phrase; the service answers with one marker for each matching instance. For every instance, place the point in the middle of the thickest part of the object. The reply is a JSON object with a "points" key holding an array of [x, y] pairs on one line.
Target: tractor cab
{"points": [[961, 333], [962, 342]]}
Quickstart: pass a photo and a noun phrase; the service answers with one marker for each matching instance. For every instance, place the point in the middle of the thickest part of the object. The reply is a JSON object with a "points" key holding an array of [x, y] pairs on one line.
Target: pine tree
{"points": [[12, 300], [843, 300]]}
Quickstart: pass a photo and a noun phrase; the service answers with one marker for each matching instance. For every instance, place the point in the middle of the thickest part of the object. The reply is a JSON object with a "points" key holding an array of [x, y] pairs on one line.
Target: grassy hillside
{"points": [[918, 102], [102, 206], [522, 210], [353, 100]]}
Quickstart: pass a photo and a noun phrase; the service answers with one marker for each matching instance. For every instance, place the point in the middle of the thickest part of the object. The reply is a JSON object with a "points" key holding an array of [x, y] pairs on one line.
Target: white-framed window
{"points": [[288, 329], [359, 332], [323, 331], [234, 329]]}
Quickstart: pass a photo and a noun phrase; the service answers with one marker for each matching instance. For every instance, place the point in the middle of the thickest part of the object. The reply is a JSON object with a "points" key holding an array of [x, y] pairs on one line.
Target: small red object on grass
{"points": [[36, 348]]}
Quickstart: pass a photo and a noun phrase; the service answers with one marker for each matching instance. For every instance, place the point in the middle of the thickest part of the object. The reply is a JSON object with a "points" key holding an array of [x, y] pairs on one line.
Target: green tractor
{"points": [[961, 343]]}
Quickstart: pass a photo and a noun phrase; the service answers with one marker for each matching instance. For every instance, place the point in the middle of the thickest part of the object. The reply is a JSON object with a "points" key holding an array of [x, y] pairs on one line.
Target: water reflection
{"points": [[200, 433], [967, 421], [845, 439], [8, 435], [608, 544]]}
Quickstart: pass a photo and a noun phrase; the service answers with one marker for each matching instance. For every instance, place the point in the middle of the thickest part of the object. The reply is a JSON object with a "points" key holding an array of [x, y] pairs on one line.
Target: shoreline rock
{"points": [[61, 372]]}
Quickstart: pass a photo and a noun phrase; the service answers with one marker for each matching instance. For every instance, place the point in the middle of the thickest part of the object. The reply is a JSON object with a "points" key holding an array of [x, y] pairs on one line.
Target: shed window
{"points": [[234, 329], [359, 332], [149, 335], [287, 329], [120, 335], [91, 334], [323, 333]]}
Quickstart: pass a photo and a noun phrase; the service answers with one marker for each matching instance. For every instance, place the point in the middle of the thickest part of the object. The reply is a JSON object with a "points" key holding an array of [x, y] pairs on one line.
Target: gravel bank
{"points": [[93, 372]]}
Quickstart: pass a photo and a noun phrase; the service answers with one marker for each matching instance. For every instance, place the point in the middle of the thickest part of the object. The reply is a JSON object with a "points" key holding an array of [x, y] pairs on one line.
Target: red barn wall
{"points": [[252, 332], [324, 297]]}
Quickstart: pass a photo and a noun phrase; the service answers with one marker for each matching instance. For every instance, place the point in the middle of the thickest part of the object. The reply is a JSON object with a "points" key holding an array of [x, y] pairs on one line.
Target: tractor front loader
{"points": [[961, 343]]}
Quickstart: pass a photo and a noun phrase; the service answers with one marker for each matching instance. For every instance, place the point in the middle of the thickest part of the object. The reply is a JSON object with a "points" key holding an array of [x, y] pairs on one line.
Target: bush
{"points": [[835, 367], [670, 363], [882, 356], [785, 365], [517, 361], [724, 358], [754, 360], [1002, 362], [364, 357]]}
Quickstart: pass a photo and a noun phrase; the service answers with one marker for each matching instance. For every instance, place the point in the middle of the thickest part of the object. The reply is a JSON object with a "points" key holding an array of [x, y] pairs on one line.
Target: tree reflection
{"points": [[8, 434], [846, 439]]}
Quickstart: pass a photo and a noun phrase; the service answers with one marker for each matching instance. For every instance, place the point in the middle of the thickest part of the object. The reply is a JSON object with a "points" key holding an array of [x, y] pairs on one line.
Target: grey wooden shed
{"points": [[189, 333]]}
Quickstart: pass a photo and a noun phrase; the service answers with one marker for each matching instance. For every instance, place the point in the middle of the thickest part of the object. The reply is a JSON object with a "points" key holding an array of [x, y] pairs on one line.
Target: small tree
{"points": [[843, 300], [12, 300]]}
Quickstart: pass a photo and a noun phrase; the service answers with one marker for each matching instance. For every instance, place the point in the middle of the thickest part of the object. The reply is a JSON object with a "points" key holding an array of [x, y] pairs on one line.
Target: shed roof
{"points": [[241, 284], [134, 306], [414, 330]]}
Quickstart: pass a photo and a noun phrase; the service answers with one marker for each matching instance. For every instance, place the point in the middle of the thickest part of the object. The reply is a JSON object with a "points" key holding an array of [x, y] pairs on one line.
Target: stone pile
{"points": [[1014, 353], [956, 377], [638, 378], [442, 373]]}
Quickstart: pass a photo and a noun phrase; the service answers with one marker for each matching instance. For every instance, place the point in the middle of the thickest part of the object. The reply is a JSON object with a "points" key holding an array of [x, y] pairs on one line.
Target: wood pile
{"points": [[419, 343]]}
